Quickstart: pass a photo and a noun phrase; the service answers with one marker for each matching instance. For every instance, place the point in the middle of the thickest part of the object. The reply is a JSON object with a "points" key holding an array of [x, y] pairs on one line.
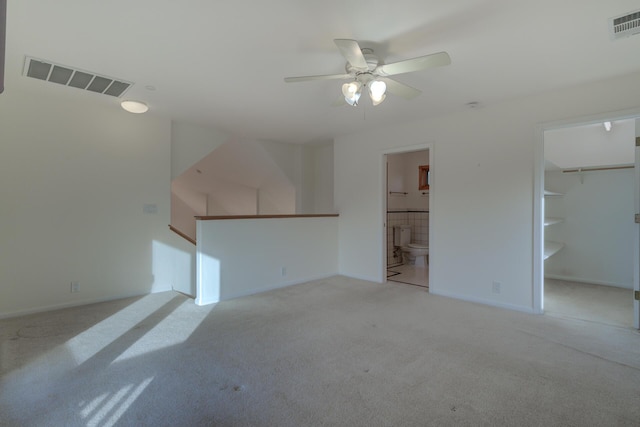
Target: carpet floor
{"points": [[333, 352], [597, 303]]}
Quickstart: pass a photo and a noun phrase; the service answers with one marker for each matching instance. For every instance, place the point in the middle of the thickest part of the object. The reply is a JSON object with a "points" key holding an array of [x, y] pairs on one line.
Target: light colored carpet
{"points": [[595, 303], [335, 352]]}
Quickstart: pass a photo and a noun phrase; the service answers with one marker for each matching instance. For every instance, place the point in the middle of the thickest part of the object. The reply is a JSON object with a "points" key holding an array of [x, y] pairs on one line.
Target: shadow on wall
{"points": [[279, 251], [237, 178], [254, 178], [175, 262]]}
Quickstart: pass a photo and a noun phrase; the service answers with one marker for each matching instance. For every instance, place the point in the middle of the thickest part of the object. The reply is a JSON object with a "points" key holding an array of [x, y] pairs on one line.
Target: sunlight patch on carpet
{"points": [[116, 405]]}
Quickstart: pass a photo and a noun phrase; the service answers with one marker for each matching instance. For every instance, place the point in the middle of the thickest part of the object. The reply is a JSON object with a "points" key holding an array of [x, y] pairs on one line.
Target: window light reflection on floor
{"points": [[116, 405]]}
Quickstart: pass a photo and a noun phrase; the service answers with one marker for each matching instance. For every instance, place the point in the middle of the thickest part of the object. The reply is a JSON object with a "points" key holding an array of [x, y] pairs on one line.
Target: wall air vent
{"points": [[69, 76], [625, 25]]}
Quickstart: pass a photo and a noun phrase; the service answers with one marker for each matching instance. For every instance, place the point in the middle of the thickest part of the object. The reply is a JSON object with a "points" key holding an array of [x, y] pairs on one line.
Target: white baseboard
{"points": [[271, 287], [588, 281], [483, 301], [70, 304], [365, 278]]}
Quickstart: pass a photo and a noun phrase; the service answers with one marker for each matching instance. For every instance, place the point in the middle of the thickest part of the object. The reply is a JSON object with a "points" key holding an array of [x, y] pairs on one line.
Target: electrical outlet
{"points": [[495, 288], [75, 287], [283, 271]]}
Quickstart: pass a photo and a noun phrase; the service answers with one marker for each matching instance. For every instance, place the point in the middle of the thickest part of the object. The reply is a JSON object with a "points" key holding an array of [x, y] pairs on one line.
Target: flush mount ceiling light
{"points": [[136, 107], [367, 70]]}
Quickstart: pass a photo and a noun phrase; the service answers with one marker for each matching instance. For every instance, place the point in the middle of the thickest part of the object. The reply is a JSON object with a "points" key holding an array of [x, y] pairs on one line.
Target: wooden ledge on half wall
{"points": [[181, 234], [215, 218]]}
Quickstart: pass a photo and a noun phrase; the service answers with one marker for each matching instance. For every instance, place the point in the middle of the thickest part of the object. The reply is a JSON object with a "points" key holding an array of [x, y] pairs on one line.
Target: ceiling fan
{"points": [[367, 70]]}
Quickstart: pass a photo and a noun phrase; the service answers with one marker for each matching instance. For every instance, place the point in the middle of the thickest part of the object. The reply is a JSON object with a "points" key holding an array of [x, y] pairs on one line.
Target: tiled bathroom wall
{"points": [[419, 222]]}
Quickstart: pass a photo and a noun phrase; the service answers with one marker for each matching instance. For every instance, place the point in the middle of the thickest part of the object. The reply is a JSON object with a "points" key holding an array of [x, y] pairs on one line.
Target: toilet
{"points": [[412, 253]]}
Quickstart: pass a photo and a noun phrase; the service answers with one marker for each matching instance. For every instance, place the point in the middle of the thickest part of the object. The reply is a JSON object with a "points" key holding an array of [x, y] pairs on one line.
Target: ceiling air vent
{"points": [[625, 25], [69, 76]]}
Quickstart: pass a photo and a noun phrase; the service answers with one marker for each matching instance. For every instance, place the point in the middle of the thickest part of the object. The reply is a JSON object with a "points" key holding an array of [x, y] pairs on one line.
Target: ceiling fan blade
{"points": [[400, 89], [352, 52], [321, 77], [416, 64]]}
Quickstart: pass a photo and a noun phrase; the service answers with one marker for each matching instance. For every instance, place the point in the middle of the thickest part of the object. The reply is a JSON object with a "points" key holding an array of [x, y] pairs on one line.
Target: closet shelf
{"points": [[551, 221], [551, 248]]}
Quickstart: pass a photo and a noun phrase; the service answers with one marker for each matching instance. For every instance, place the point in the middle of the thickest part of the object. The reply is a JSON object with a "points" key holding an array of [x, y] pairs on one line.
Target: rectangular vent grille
{"points": [[69, 76], [625, 26]]}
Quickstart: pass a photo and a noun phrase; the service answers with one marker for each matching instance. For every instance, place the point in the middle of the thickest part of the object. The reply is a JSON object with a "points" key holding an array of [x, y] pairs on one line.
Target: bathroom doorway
{"points": [[589, 239], [407, 216]]}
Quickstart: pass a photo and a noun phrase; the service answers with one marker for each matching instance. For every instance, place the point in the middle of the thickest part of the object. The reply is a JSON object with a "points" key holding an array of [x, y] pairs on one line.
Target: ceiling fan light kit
{"points": [[377, 89], [352, 92], [367, 70]]}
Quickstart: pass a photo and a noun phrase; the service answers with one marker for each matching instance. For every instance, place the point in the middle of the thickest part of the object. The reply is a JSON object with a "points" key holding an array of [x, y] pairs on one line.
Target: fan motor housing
{"points": [[372, 62]]}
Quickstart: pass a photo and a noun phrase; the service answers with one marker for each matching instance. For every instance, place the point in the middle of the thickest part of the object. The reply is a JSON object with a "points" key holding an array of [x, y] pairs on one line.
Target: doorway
{"points": [[407, 194], [590, 242]]}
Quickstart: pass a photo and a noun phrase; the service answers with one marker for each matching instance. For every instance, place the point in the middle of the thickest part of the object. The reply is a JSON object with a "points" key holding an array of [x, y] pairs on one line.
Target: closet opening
{"points": [[589, 239]]}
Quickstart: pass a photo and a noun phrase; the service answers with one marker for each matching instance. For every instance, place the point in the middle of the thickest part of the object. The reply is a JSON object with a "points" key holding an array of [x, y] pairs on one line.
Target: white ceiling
{"points": [[590, 145], [222, 63]]}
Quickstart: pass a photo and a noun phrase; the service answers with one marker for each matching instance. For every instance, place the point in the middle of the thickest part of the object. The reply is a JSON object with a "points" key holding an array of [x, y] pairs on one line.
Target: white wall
{"points": [[597, 229], [245, 256], [232, 199], [322, 158], [74, 178], [482, 190], [591, 145], [190, 143], [182, 214], [287, 160], [310, 169], [305, 197], [175, 260]]}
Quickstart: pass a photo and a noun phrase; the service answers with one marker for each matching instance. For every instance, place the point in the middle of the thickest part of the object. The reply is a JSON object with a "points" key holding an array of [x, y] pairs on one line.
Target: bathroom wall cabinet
{"points": [[551, 247]]}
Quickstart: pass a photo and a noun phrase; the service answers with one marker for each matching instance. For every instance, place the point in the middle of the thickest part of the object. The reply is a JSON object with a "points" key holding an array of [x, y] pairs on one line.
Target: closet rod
{"points": [[597, 169]]}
